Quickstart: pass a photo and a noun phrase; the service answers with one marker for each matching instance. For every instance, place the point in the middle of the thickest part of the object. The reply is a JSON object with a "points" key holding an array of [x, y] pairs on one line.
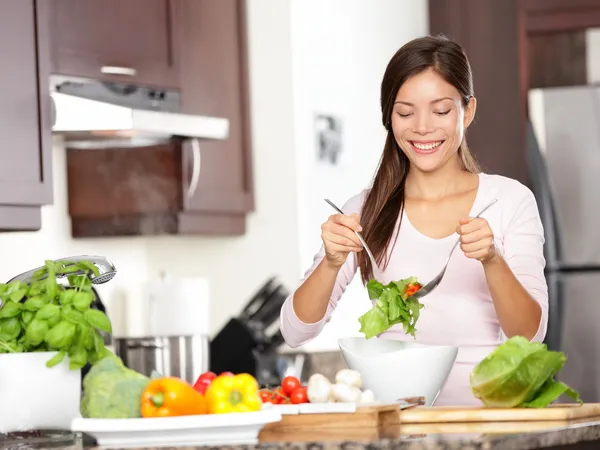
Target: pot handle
{"points": [[145, 344]]}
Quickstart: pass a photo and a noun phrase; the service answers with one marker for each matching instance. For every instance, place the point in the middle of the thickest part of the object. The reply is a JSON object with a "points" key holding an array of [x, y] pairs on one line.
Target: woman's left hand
{"points": [[476, 239]]}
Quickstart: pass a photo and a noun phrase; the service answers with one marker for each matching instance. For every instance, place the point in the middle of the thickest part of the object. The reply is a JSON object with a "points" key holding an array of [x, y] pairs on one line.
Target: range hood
{"points": [[87, 111]]}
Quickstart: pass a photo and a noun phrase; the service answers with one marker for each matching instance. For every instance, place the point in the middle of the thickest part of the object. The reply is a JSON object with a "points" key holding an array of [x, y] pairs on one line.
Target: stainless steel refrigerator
{"points": [[564, 164]]}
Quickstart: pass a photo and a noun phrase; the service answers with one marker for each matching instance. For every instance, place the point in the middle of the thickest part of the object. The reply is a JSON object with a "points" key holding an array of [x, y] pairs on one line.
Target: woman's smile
{"points": [[425, 147]]}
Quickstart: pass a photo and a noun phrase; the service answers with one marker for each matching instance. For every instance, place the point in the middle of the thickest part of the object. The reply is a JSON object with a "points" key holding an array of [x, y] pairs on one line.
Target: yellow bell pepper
{"points": [[233, 394]]}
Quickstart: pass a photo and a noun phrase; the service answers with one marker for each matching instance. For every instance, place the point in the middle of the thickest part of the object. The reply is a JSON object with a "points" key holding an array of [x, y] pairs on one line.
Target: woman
{"points": [[424, 195]]}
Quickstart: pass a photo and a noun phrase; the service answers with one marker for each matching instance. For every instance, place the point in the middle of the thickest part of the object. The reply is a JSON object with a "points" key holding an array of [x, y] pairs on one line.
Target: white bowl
{"points": [[33, 396], [398, 369]]}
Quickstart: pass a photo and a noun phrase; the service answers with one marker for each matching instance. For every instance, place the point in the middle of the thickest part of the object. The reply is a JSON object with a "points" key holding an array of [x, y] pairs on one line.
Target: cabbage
{"points": [[520, 373]]}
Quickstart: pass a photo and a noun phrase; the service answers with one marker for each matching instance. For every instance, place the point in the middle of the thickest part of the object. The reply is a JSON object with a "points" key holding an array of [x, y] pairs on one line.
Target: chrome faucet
{"points": [[106, 268], [107, 271]]}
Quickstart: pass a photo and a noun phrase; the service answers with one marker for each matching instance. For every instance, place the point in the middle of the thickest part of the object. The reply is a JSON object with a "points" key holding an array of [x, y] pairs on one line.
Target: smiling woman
{"points": [[425, 127], [426, 190]]}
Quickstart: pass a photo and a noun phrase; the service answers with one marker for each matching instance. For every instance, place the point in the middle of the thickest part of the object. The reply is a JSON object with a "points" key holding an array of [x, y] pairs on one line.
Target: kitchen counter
{"points": [[576, 435]]}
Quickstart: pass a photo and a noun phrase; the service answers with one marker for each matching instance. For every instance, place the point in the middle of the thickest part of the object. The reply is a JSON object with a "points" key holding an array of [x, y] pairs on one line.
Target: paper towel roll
{"points": [[179, 307]]}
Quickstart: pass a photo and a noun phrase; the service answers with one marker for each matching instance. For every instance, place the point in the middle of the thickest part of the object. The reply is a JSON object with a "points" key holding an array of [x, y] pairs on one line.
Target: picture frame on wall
{"points": [[328, 135]]}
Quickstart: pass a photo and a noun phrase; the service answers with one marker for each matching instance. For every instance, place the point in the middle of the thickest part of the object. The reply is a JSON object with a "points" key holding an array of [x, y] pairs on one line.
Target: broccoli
{"points": [[111, 390]]}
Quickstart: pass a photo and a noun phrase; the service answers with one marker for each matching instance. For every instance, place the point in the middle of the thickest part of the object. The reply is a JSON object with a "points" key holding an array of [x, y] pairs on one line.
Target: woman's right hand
{"points": [[339, 237]]}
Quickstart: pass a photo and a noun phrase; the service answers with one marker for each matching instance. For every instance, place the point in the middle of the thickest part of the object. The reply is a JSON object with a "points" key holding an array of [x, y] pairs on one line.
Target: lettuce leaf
{"points": [[392, 306], [520, 373]]}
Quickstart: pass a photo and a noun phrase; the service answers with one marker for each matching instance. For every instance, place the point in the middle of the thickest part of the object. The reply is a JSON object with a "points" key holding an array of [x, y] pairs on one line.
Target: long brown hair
{"points": [[384, 202]]}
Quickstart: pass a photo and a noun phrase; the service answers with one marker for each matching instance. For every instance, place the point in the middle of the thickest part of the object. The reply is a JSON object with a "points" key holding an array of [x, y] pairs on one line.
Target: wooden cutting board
{"points": [[364, 417], [453, 414], [471, 428], [409, 430]]}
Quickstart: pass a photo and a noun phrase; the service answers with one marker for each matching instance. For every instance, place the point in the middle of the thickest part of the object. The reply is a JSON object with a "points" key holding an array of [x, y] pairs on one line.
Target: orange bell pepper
{"points": [[171, 396], [233, 394]]}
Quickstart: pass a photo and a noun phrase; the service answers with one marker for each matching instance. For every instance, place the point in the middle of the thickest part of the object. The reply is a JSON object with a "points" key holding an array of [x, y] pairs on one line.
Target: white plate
{"points": [[209, 429], [283, 409]]}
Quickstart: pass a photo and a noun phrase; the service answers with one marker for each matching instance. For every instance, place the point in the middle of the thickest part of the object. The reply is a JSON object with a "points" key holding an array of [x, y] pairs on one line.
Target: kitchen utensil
{"points": [[465, 414], [411, 402], [329, 416], [184, 357], [397, 369], [106, 268], [271, 293], [360, 238], [429, 287]]}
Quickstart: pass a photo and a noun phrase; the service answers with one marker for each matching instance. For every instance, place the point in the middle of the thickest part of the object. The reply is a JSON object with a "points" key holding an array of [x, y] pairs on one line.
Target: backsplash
{"points": [[326, 363]]}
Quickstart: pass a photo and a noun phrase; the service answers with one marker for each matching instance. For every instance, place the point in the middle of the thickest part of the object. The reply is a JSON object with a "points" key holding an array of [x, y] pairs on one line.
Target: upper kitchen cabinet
{"points": [[25, 153], [215, 84], [135, 41], [186, 185], [143, 191]]}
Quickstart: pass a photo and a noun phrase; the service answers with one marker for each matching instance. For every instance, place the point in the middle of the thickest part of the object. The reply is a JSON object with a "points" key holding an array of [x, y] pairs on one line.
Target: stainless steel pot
{"points": [[185, 357]]}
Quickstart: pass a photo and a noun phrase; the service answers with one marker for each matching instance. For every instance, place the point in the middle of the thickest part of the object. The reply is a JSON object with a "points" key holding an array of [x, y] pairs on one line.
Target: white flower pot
{"points": [[33, 396]]}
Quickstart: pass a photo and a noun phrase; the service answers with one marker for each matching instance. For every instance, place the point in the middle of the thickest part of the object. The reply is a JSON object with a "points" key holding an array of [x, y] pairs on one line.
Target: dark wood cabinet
{"points": [[184, 187], [215, 83], [488, 31], [513, 46], [26, 150], [140, 191], [134, 41]]}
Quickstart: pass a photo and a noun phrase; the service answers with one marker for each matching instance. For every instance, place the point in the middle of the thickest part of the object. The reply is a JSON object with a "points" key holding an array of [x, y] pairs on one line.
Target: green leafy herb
{"points": [[393, 305], [45, 316], [520, 373]]}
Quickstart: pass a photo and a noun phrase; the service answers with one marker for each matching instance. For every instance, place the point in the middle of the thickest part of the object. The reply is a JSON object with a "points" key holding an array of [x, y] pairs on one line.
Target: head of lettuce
{"points": [[520, 373]]}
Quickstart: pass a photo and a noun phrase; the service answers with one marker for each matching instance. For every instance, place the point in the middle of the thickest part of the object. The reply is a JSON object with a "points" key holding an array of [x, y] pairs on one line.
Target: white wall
{"points": [[593, 55], [306, 56], [340, 50], [23, 251]]}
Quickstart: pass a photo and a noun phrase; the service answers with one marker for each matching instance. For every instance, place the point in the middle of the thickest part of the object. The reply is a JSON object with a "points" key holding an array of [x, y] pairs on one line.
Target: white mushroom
{"points": [[345, 393], [367, 396], [349, 377], [319, 388]]}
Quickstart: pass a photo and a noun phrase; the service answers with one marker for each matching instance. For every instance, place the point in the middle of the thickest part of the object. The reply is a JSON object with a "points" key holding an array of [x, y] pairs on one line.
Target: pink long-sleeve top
{"points": [[460, 311]]}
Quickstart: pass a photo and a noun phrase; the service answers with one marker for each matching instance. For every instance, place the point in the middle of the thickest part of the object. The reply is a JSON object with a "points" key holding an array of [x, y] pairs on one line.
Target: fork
{"points": [[360, 238], [436, 281]]}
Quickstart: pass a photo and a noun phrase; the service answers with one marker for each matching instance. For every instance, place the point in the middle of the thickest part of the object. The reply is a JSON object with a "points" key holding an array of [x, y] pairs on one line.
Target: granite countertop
{"points": [[482, 436]]}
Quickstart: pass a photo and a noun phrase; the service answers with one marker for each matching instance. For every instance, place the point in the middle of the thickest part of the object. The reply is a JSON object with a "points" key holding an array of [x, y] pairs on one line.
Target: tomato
{"points": [[289, 384], [208, 376], [226, 374], [266, 396], [412, 288], [204, 381], [299, 395], [279, 397]]}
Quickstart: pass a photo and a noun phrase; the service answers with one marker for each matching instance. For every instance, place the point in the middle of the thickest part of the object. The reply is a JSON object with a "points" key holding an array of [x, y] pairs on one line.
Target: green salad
{"points": [[393, 305]]}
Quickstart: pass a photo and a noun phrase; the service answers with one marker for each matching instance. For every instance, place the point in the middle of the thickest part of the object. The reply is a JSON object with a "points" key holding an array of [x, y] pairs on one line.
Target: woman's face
{"points": [[429, 120]]}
